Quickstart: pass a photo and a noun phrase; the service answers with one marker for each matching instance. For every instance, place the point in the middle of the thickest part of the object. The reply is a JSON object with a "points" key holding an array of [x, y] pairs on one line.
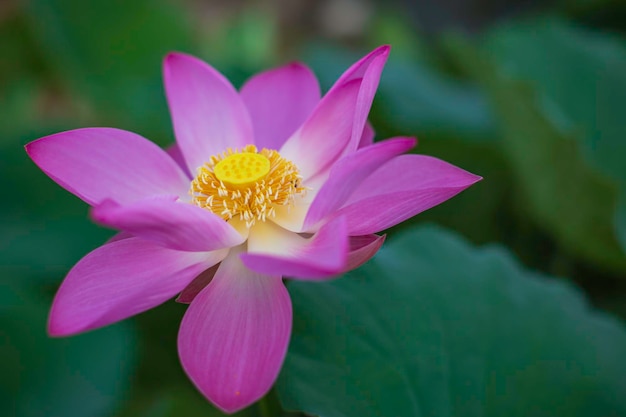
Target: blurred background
{"points": [[529, 94]]}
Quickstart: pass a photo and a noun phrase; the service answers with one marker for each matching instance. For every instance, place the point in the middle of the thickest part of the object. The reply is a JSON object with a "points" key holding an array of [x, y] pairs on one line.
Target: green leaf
{"points": [[84, 375], [579, 75], [435, 327], [558, 186]]}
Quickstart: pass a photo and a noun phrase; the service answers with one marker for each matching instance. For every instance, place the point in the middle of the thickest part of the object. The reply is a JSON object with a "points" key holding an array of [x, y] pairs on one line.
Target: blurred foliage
{"points": [[533, 104]]}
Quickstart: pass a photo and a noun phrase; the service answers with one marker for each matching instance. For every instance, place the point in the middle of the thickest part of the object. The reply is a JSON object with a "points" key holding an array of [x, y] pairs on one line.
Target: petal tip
{"points": [[56, 327], [29, 148], [474, 179], [176, 59], [297, 65], [174, 55], [384, 49]]}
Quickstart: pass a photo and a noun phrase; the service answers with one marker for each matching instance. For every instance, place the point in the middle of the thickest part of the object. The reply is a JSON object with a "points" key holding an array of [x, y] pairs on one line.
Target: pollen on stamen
{"points": [[246, 184]]}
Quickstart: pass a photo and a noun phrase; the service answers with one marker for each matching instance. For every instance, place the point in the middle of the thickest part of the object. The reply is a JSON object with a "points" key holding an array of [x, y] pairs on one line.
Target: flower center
{"points": [[246, 184]]}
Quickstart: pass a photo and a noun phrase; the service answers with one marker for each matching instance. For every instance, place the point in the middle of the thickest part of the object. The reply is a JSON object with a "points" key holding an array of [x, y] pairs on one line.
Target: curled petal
{"points": [[368, 69], [190, 291], [175, 225], [97, 164], [402, 188], [207, 112], [362, 248], [234, 335], [279, 101], [348, 173], [273, 250], [367, 137], [121, 279]]}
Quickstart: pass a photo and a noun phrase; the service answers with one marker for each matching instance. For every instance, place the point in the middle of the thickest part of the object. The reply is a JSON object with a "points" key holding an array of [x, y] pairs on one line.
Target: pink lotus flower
{"points": [[267, 183]]}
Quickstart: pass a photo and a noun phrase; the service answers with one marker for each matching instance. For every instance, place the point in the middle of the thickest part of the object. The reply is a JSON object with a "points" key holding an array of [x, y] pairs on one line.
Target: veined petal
{"points": [[346, 175], [402, 188], [121, 279], [207, 112], [362, 248], [326, 133], [234, 335], [273, 250], [279, 101], [97, 164], [175, 225]]}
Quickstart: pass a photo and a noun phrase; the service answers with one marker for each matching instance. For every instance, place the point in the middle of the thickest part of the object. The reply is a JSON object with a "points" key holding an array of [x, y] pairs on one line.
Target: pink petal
{"points": [[121, 279], [367, 137], [368, 69], [325, 134], [102, 163], [362, 248], [360, 68], [190, 291], [234, 335], [279, 101], [273, 250], [207, 112], [336, 125], [402, 188], [348, 173], [173, 224]]}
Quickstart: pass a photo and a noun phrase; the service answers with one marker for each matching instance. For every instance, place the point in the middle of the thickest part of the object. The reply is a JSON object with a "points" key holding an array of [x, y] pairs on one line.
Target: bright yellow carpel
{"points": [[242, 169]]}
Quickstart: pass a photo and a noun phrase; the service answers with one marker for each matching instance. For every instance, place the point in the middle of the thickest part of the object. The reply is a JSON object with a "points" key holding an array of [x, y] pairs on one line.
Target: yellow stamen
{"points": [[246, 184]]}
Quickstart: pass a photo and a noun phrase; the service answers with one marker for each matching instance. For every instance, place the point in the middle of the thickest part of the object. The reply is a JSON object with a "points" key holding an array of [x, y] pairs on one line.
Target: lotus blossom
{"points": [[269, 182]]}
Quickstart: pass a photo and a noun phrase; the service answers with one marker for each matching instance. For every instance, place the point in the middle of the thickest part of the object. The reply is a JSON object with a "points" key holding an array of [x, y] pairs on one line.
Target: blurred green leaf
{"points": [[580, 77], [111, 51], [559, 188], [433, 326], [81, 376]]}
